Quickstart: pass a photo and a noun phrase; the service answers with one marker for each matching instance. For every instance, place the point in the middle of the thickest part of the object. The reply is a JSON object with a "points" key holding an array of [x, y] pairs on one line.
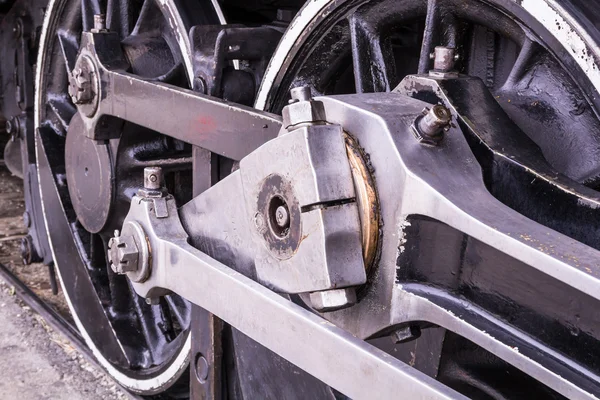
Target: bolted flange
{"points": [[123, 254], [128, 252]]}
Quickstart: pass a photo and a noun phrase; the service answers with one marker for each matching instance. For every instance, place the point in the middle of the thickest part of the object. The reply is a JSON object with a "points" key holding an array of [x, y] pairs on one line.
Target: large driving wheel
{"points": [[86, 185], [539, 61]]}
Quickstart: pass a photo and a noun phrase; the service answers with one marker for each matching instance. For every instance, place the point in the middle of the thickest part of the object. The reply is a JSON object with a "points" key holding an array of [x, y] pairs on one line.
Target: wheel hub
{"points": [[90, 176], [83, 86]]}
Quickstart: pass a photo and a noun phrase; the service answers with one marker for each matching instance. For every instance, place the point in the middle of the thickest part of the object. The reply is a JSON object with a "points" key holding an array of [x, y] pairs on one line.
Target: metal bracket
{"points": [[215, 50]]}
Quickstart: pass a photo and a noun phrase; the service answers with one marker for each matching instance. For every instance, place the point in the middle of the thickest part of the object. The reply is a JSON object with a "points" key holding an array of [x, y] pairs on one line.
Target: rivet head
{"points": [[202, 368]]}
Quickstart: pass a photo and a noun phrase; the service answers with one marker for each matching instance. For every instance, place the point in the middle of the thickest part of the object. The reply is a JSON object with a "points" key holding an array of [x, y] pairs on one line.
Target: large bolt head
{"points": [[129, 253], [81, 83], [331, 300], [429, 128], [80, 87], [123, 254], [302, 109]]}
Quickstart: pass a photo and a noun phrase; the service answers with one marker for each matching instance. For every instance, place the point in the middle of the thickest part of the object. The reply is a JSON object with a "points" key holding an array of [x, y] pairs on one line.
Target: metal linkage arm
{"points": [[446, 183], [331, 354], [309, 180], [233, 131]]}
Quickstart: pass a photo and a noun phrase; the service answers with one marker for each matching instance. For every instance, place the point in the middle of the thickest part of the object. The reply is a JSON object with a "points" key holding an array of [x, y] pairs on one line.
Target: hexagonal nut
{"points": [[406, 334], [302, 112], [123, 254], [331, 300]]}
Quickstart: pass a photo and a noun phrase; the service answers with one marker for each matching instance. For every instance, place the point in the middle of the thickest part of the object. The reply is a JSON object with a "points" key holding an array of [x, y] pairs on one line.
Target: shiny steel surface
{"points": [[321, 348]]}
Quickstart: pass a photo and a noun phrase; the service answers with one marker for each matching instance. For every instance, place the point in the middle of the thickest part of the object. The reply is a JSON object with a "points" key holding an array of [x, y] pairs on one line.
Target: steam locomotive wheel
{"points": [[533, 56], [87, 185]]}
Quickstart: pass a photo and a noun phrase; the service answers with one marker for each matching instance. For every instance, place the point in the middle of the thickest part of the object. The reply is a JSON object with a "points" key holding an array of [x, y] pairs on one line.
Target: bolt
{"points": [[259, 222], [302, 110], [282, 217], [200, 84], [301, 93], [18, 29], [13, 127], [430, 126], [444, 58], [123, 254], [9, 127], [153, 177], [99, 23], [202, 368], [28, 253], [80, 83], [331, 300], [406, 334]]}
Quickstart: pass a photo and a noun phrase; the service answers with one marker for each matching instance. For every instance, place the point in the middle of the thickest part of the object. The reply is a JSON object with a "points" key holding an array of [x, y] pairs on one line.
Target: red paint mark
{"points": [[203, 124]]}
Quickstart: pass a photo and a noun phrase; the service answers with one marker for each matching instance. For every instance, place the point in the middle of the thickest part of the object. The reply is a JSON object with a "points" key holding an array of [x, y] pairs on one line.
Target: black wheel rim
{"points": [[136, 341]]}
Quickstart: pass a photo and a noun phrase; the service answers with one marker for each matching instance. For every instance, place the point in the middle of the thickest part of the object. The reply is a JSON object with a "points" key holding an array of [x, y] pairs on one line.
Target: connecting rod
{"points": [[290, 221], [111, 95]]}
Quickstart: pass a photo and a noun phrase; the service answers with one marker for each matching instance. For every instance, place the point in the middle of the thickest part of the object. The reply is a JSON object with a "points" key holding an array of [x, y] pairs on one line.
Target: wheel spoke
{"points": [[149, 20], [148, 317], [529, 49], [118, 17], [180, 309], [373, 60], [63, 109], [430, 35], [82, 294], [69, 46], [441, 29]]}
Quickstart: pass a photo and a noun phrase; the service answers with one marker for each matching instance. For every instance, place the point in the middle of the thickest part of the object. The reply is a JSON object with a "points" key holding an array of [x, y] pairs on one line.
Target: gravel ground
{"points": [[38, 363], [35, 361]]}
